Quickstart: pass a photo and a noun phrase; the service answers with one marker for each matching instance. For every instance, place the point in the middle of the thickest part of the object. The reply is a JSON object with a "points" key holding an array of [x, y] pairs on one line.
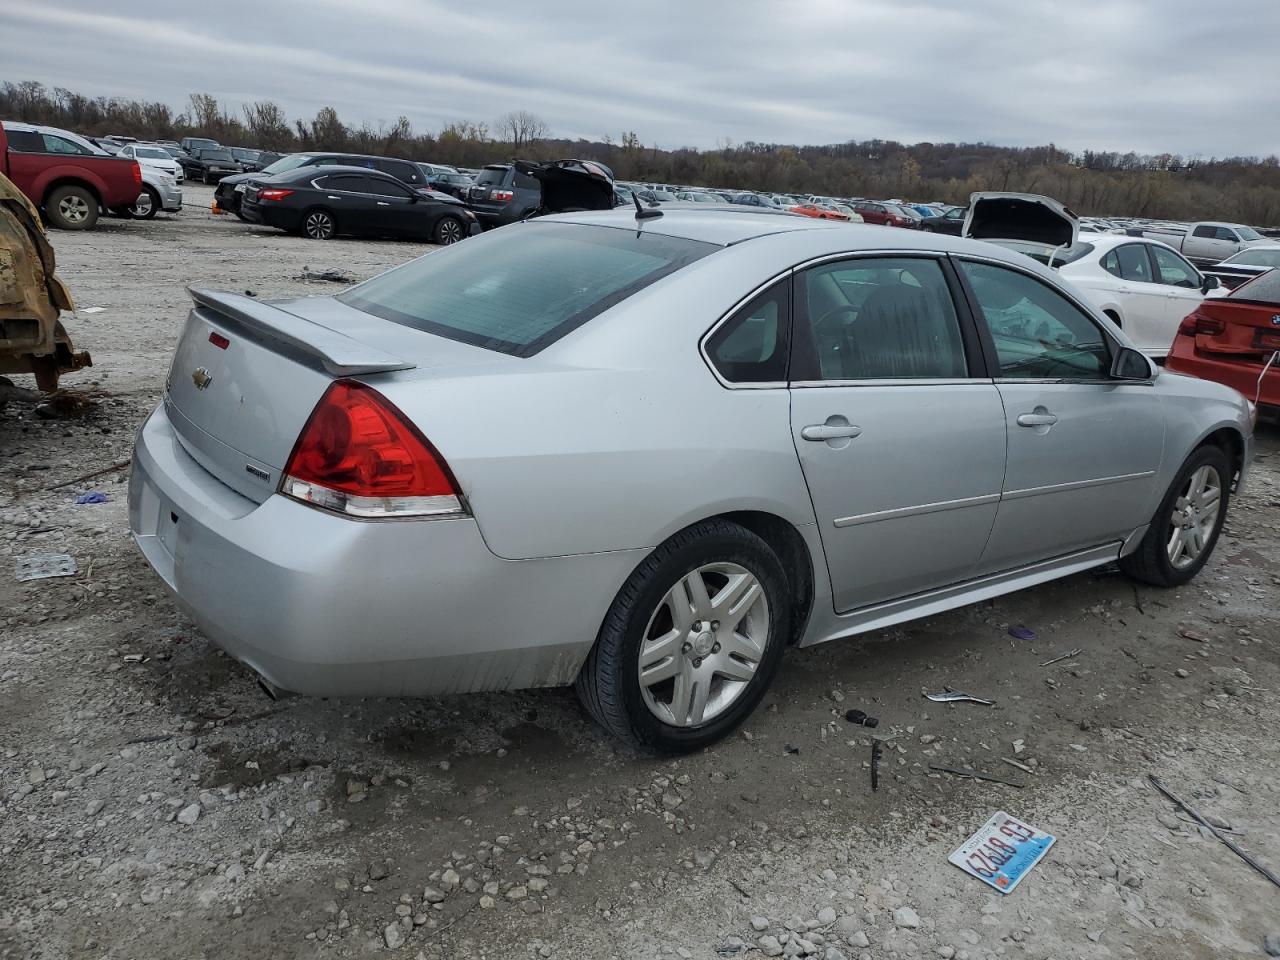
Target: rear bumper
{"points": [[1241, 375], [323, 605]]}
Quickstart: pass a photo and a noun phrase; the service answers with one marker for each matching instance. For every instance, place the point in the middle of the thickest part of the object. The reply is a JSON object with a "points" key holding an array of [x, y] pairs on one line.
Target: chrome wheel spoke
{"points": [[732, 668], [660, 658], [682, 696], [677, 600], [697, 592]]}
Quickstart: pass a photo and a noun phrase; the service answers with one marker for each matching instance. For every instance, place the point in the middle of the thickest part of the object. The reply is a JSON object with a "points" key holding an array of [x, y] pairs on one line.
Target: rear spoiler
{"points": [[340, 355]]}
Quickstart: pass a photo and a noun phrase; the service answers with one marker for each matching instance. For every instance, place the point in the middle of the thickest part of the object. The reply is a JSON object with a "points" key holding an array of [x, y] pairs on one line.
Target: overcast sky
{"points": [[1183, 76]]}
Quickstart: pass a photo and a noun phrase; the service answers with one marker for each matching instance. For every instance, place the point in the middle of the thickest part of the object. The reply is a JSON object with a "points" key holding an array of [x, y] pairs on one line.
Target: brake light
{"points": [[1196, 324], [359, 456], [273, 193], [137, 174], [502, 195]]}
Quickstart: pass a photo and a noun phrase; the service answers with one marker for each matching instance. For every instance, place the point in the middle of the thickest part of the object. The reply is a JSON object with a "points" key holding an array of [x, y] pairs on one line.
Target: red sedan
{"points": [[1235, 340], [818, 212]]}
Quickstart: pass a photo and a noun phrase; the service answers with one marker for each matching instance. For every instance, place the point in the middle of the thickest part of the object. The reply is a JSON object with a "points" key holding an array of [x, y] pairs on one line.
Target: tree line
{"points": [[1245, 189]]}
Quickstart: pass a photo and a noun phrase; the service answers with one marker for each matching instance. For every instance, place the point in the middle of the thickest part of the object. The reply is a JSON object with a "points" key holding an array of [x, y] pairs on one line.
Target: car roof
{"points": [[312, 170]]}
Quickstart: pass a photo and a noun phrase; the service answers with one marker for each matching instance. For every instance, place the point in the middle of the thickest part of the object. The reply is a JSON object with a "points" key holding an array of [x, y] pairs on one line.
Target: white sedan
{"points": [[1145, 286]]}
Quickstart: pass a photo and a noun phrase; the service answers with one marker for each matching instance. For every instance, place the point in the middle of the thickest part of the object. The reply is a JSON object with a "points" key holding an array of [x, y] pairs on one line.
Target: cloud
{"points": [[1144, 75]]}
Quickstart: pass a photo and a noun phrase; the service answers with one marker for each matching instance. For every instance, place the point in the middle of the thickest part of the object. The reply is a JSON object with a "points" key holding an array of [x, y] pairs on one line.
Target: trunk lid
{"points": [[571, 185], [1250, 319], [245, 378], [1021, 216]]}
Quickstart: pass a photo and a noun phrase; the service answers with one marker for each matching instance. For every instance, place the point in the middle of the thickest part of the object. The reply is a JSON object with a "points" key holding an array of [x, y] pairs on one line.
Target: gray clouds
{"points": [[1144, 75]]}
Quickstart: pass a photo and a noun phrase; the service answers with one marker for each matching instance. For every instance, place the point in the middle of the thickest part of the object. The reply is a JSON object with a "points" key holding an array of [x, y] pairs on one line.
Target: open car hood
{"points": [[1020, 216], [571, 185]]}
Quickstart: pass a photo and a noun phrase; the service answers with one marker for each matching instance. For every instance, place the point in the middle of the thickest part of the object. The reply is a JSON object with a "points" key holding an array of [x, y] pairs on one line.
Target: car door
{"points": [[1083, 448], [1183, 287], [352, 204], [900, 434], [1143, 301], [395, 212]]}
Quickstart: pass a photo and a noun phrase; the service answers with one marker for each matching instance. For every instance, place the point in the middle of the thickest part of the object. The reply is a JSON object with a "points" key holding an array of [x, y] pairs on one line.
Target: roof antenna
{"points": [[643, 213]]}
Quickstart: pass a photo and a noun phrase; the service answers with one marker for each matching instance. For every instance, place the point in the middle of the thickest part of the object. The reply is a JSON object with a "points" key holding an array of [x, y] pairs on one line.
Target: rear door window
{"points": [[385, 188], [24, 141], [1135, 265], [522, 288]]}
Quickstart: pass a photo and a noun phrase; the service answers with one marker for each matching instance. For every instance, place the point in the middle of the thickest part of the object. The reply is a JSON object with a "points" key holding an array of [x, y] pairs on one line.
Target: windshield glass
{"points": [[522, 288], [241, 153], [291, 162], [151, 153], [1266, 257], [1248, 233], [1264, 288], [215, 155]]}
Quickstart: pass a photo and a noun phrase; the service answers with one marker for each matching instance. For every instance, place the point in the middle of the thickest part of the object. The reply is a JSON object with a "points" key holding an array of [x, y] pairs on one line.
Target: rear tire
{"points": [[71, 208], [1186, 526], [318, 224], [725, 668]]}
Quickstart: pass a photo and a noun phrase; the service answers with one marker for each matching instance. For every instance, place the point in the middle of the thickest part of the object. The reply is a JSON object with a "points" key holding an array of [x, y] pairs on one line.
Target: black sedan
{"points": [[951, 222], [322, 202]]}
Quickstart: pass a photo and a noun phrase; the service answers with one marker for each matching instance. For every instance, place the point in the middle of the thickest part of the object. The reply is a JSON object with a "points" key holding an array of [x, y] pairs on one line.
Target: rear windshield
{"points": [[1043, 253], [489, 177], [291, 162], [523, 287], [1266, 257], [1264, 288]]}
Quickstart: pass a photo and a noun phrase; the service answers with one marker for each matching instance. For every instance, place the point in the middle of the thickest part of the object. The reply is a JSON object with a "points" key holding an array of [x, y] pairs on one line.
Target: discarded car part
{"points": [[1066, 656], [875, 764], [1022, 633], [955, 696], [974, 775], [1231, 845], [43, 566], [1002, 851], [32, 338], [1021, 766], [93, 496], [860, 717]]}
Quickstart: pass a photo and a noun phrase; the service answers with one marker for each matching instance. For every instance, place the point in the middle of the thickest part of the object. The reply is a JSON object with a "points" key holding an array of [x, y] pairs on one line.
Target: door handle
{"points": [[1044, 419], [831, 431], [382, 204]]}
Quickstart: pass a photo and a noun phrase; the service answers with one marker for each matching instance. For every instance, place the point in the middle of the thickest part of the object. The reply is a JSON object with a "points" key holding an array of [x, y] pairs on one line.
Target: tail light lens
{"points": [[273, 193], [502, 195], [1202, 325], [359, 456], [137, 175]]}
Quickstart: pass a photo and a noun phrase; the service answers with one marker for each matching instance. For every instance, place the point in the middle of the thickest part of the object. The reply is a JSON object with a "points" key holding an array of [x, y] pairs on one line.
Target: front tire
{"points": [[449, 231], [71, 208], [147, 205], [1185, 528], [691, 642], [318, 224]]}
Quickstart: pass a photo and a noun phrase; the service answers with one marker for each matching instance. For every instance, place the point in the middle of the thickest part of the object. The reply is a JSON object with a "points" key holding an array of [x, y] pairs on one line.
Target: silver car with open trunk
{"points": [[644, 451]]}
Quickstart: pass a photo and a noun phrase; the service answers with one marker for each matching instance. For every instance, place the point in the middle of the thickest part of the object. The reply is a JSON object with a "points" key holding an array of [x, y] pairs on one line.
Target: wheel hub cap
{"points": [[703, 644], [1194, 517]]}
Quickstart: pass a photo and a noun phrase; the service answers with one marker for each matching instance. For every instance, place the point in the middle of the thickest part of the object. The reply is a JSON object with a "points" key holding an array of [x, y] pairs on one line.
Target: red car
{"points": [[1232, 339], [885, 214], [818, 212]]}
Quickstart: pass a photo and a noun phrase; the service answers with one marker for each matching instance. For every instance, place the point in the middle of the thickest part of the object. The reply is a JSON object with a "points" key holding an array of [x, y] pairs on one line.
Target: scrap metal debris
{"points": [[974, 775], [93, 496], [1066, 656], [325, 276], [1231, 844], [859, 717], [1022, 633], [875, 764], [43, 566], [955, 696]]}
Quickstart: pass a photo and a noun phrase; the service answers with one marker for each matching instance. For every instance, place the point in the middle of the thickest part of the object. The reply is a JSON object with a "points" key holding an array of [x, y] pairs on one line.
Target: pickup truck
{"points": [[1207, 242], [65, 175]]}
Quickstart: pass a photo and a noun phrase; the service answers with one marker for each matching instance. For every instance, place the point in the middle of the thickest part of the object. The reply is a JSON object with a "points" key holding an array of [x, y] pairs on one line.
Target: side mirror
{"points": [[1131, 364], [1210, 283]]}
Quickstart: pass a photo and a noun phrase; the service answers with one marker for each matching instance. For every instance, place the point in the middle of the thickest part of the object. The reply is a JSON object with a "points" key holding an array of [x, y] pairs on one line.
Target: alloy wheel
{"points": [[450, 231], [319, 225], [703, 644], [142, 206], [73, 209], [1195, 514]]}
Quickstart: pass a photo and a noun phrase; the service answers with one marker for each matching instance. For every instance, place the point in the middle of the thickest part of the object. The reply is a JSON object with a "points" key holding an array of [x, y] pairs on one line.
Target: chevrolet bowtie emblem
{"points": [[201, 378]]}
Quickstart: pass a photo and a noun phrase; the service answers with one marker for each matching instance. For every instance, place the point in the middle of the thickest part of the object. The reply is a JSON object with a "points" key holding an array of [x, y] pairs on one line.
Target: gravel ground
{"points": [[155, 804]]}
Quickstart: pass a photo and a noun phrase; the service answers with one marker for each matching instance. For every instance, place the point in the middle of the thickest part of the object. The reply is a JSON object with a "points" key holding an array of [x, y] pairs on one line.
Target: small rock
{"points": [[393, 935], [946, 951], [189, 814], [770, 946], [834, 954], [1271, 944], [94, 807], [759, 924], [487, 902], [432, 895], [826, 915], [859, 940], [906, 918], [518, 892], [1181, 673], [378, 870]]}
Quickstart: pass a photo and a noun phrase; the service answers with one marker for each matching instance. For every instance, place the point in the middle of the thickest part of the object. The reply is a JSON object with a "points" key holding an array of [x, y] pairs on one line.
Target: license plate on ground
{"points": [[1002, 852]]}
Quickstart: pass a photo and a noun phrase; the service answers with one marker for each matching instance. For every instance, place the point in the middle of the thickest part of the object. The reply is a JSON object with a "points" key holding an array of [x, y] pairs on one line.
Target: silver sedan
{"points": [[643, 452]]}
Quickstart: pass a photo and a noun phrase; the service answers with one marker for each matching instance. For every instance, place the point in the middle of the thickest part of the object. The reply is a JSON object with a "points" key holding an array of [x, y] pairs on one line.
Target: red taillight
{"points": [[502, 195], [137, 175], [1197, 324], [358, 455], [273, 193], [218, 340]]}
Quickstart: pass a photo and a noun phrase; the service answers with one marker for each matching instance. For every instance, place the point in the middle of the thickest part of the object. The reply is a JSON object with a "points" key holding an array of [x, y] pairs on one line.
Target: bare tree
{"points": [[267, 125], [520, 128]]}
